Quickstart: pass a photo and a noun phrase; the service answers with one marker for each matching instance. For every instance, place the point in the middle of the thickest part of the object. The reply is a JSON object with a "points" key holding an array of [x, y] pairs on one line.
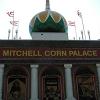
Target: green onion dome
{"points": [[48, 21]]}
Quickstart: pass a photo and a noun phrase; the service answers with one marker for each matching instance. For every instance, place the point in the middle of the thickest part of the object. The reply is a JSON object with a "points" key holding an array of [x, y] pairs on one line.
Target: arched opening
{"points": [[16, 83], [52, 84], [85, 81]]}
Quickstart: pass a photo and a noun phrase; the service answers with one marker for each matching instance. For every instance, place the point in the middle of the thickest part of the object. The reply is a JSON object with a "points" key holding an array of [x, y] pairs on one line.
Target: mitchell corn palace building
{"points": [[49, 67]]}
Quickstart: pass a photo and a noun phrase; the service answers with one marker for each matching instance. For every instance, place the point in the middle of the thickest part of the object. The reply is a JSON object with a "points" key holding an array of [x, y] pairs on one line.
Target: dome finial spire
{"points": [[47, 5]]}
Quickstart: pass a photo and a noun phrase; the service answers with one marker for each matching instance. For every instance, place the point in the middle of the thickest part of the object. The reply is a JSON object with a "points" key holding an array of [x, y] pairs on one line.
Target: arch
{"points": [[51, 71], [21, 69], [51, 67], [83, 71], [16, 74], [51, 79], [85, 83]]}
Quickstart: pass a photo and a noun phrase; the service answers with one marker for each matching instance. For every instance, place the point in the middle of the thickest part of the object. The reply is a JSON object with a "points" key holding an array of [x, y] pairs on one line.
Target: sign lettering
{"points": [[49, 52]]}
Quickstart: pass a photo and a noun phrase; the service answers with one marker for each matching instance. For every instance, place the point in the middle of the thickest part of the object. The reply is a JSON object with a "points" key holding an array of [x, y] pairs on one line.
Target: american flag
{"points": [[71, 23], [14, 23], [10, 14]]}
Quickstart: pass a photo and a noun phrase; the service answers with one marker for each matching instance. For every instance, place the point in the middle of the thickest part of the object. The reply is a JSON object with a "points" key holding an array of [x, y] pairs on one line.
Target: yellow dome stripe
{"points": [[43, 16], [56, 17]]}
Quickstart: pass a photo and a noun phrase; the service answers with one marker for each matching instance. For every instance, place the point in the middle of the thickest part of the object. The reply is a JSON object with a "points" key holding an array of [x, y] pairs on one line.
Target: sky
{"points": [[24, 10]]}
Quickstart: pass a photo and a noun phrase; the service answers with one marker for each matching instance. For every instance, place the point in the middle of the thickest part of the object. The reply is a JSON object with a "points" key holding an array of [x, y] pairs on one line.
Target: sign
{"points": [[49, 53]]}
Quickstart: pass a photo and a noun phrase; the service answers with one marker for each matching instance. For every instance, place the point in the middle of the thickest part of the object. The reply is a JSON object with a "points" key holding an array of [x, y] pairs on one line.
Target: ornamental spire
{"points": [[47, 5]]}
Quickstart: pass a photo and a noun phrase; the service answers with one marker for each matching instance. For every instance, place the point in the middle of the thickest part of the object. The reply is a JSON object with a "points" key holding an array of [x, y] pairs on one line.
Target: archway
{"points": [[85, 81], [52, 84], [16, 83]]}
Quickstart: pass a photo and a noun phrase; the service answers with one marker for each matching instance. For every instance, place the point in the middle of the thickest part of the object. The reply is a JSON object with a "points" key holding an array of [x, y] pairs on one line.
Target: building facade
{"points": [[49, 67], [43, 70]]}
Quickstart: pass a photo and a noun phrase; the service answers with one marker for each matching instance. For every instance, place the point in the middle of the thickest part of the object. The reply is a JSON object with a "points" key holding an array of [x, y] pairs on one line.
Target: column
{"points": [[68, 82], [98, 71], [34, 82], [1, 79]]}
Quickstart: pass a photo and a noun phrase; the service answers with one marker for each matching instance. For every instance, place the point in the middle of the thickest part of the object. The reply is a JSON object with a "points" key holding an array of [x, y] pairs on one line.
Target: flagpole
{"points": [[9, 33], [82, 35], [14, 23], [83, 27], [75, 32], [80, 15], [89, 35], [12, 27], [72, 23]]}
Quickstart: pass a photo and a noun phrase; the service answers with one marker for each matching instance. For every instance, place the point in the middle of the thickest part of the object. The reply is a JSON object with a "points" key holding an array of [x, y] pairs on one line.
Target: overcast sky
{"points": [[24, 10]]}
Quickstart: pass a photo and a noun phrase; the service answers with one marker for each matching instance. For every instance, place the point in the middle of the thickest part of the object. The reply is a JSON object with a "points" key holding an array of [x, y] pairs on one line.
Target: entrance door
{"points": [[51, 87]]}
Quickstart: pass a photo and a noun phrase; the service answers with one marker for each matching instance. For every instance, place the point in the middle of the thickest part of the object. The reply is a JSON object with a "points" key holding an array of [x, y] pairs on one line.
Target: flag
{"points": [[79, 13], [10, 14], [14, 23], [71, 23]]}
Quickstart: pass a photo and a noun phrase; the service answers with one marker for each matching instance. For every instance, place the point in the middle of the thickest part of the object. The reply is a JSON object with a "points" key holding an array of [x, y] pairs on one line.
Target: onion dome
{"points": [[48, 21]]}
